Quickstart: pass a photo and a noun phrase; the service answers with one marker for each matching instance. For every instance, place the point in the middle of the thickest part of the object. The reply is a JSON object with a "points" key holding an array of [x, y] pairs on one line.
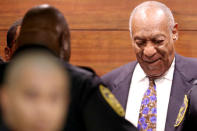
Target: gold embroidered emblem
{"points": [[112, 101], [182, 112]]}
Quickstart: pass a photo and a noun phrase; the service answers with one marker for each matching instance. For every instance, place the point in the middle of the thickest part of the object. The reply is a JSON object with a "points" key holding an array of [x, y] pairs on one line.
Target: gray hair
{"points": [[148, 4]]}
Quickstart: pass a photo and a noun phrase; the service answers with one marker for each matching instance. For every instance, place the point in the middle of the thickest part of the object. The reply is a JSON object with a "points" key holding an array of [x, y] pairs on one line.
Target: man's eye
{"points": [[30, 94], [140, 43], [158, 41]]}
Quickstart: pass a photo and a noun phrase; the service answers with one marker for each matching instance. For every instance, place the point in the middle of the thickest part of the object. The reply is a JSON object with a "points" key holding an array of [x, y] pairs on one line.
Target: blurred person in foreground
{"points": [[12, 35], [93, 107], [35, 93]]}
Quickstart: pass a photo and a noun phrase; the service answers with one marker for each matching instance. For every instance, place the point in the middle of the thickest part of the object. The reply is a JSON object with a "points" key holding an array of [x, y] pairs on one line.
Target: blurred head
{"points": [[35, 93], [46, 25], [153, 33], [12, 35]]}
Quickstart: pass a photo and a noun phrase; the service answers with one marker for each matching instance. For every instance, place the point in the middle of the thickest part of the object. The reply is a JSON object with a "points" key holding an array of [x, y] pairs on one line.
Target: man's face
{"points": [[153, 43], [14, 41], [37, 101], [65, 50], [10, 51]]}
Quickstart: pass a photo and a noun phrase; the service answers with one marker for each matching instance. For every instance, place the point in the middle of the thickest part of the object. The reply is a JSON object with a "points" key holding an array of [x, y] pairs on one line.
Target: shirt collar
{"points": [[168, 75], [140, 73]]}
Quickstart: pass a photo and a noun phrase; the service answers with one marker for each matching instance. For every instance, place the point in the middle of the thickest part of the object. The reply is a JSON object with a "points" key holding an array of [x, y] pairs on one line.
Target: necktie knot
{"points": [[152, 84]]}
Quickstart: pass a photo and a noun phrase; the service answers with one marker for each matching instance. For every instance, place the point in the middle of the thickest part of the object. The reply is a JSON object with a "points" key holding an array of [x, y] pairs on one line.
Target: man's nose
{"points": [[149, 50]]}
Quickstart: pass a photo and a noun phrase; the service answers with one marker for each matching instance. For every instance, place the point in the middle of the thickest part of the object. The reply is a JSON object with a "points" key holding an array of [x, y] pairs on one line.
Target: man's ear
{"points": [[65, 47], [175, 32]]}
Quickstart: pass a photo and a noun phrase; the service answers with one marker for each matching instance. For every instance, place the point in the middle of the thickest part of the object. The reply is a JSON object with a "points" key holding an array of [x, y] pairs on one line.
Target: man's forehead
{"points": [[150, 31], [152, 36], [148, 16], [151, 24], [43, 79], [38, 62]]}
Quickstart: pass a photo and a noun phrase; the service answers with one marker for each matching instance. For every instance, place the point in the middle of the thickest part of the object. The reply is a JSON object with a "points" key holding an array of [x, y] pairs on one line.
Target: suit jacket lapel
{"points": [[179, 88], [122, 84]]}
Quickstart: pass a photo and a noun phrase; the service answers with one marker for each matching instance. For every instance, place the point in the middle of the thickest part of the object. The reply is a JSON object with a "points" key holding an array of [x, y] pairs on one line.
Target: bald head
{"points": [[36, 92], [47, 26], [153, 34], [151, 10]]}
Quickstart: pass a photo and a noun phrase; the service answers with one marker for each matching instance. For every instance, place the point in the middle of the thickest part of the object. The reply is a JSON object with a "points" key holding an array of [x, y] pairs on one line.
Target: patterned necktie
{"points": [[148, 110]]}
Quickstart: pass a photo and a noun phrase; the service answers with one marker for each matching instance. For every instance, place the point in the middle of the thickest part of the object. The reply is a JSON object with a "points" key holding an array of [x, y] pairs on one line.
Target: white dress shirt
{"points": [[139, 85]]}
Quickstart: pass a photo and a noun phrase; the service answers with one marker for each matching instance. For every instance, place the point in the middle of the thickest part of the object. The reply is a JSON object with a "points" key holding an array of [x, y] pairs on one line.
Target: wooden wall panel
{"points": [[107, 50], [2, 43], [101, 50], [98, 14]]}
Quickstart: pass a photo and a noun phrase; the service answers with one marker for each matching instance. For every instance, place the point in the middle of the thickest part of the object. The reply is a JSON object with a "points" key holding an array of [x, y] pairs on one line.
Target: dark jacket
{"points": [[185, 74], [89, 111]]}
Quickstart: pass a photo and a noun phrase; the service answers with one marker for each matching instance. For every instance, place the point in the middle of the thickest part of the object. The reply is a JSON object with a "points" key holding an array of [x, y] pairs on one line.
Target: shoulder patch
{"points": [[182, 112], [112, 101]]}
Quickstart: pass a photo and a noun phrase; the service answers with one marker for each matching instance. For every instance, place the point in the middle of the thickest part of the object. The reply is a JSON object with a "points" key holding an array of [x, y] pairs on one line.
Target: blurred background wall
{"points": [[99, 28]]}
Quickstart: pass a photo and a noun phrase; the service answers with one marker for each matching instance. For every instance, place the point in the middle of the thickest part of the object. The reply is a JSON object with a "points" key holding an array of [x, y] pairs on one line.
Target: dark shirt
{"points": [[2, 69], [1, 60]]}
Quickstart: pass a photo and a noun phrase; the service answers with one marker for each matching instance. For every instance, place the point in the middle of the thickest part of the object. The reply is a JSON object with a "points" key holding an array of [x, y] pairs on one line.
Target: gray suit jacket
{"points": [[185, 75]]}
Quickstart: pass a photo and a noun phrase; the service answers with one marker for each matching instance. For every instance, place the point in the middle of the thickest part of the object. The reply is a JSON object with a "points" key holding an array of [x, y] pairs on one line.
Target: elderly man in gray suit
{"points": [[153, 90]]}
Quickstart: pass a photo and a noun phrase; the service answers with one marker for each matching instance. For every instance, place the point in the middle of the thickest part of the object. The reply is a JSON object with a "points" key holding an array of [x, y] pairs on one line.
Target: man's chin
{"points": [[154, 75]]}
